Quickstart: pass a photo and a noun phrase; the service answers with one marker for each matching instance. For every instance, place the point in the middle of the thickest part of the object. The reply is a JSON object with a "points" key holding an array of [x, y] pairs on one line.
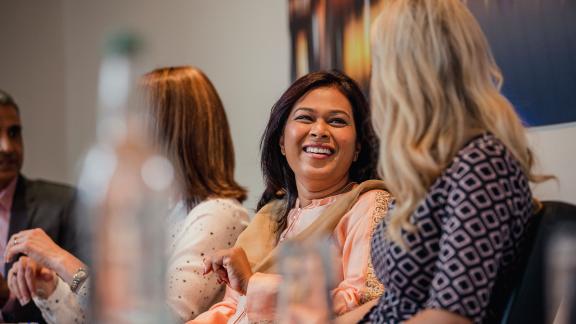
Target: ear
{"points": [[281, 143]]}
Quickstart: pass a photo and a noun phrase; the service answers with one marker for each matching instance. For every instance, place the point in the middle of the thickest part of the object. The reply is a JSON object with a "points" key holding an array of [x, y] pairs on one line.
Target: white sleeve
{"points": [[64, 306], [216, 225]]}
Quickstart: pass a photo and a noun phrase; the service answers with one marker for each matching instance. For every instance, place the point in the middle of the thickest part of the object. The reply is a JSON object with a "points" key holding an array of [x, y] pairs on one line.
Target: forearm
{"points": [[62, 306], [66, 265]]}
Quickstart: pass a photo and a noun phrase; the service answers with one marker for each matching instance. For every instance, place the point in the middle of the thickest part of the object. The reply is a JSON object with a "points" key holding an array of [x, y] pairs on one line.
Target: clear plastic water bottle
{"points": [[304, 295], [561, 276], [124, 184]]}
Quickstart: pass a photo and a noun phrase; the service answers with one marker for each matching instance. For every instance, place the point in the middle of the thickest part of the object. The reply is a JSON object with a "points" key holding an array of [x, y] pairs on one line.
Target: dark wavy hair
{"points": [[7, 101], [279, 178]]}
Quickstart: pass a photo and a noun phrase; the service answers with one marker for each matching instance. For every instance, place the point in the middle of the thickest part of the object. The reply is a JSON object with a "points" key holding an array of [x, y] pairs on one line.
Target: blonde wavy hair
{"points": [[434, 85]]}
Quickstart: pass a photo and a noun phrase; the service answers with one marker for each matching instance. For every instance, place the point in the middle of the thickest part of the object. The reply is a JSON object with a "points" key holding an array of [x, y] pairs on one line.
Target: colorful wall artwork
{"points": [[534, 43]]}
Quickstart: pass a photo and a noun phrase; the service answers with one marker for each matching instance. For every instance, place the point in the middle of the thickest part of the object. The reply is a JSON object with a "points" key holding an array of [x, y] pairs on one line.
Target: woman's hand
{"points": [[232, 268], [37, 245], [28, 278]]}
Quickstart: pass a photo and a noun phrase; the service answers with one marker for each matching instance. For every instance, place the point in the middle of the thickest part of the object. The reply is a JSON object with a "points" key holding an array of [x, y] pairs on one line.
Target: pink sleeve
{"points": [[260, 302], [220, 312], [261, 296], [353, 235]]}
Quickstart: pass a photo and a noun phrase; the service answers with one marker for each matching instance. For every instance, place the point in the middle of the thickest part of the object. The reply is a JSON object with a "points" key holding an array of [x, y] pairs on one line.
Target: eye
{"points": [[304, 118], [14, 131], [338, 122]]}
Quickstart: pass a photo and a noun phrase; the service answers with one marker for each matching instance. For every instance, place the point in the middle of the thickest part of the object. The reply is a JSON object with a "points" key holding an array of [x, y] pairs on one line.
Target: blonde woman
{"points": [[454, 154]]}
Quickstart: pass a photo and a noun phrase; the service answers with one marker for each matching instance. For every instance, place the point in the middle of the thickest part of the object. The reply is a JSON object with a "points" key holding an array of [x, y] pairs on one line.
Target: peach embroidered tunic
{"points": [[351, 240]]}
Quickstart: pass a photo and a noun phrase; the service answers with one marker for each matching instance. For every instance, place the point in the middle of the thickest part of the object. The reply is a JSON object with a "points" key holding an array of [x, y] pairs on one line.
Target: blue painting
{"points": [[534, 43]]}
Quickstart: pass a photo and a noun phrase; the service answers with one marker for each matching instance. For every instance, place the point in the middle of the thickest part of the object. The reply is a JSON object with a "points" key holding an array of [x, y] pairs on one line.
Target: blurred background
{"points": [[52, 49]]}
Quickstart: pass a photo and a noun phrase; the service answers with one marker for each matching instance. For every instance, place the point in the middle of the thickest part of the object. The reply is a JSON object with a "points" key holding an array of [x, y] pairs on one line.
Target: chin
{"points": [[5, 179], [320, 174]]}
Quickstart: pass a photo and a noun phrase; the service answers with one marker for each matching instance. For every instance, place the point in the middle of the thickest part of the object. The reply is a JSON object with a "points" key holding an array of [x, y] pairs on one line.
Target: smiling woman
{"points": [[317, 155], [316, 88], [319, 141]]}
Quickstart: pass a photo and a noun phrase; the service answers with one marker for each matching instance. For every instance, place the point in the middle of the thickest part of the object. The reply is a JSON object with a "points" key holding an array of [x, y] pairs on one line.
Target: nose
{"points": [[319, 129], [6, 143]]}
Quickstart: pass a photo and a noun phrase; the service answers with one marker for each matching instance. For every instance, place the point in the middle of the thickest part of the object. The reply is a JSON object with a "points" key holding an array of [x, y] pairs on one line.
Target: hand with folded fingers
{"points": [[231, 266], [27, 279], [37, 245]]}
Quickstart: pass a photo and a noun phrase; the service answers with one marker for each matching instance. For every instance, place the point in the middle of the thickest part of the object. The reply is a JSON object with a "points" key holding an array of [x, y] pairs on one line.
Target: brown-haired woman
{"points": [[190, 127]]}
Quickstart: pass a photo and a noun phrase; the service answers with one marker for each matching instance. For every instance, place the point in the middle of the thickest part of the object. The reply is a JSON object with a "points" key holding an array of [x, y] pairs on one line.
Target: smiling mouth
{"points": [[7, 162], [318, 150], [7, 166]]}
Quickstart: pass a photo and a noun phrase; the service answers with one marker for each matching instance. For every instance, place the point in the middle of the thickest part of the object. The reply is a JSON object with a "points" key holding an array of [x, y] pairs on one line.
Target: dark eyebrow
{"points": [[338, 111], [331, 112], [304, 108]]}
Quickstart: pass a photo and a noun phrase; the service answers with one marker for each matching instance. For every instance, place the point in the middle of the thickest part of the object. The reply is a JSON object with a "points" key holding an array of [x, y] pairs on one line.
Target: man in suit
{"points": [[27, 204]]}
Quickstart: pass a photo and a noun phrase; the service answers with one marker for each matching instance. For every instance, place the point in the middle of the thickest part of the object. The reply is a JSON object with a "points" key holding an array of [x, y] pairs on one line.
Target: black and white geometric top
{"points": [[470, 228]]}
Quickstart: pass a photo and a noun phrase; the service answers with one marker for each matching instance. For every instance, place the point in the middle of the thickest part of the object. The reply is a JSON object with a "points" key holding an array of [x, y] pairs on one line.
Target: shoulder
{"points": [[484, 154], [375, 198], [372, 204], [222, 204], [373, 193], [483, 173], [222, 209], [482, 161], [48, 191]]}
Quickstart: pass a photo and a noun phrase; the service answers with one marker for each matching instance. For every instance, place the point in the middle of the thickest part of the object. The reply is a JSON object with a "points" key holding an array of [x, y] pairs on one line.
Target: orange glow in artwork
{"points": [[356, 49], [333, 34], [302, 66]]}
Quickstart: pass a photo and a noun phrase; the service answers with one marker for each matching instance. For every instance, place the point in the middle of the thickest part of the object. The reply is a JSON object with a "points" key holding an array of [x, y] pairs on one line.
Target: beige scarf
{"points": [[259, 240]]}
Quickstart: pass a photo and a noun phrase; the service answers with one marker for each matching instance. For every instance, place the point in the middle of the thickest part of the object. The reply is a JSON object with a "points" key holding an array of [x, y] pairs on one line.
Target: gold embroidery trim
{"points": [[374, 288]]}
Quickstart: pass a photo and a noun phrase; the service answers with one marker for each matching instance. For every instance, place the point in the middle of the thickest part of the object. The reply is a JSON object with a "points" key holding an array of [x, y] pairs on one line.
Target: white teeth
{"points": [[317, 150]]}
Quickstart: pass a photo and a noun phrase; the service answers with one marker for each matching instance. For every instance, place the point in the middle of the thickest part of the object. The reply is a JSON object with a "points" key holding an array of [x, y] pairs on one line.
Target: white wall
{"points": [[555, 149], [243, 46], [32, 70], [52, 64]]}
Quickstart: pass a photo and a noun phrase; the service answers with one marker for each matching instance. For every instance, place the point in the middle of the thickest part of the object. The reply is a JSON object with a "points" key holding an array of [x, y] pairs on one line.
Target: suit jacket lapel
{"points": [[22, 210]]}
